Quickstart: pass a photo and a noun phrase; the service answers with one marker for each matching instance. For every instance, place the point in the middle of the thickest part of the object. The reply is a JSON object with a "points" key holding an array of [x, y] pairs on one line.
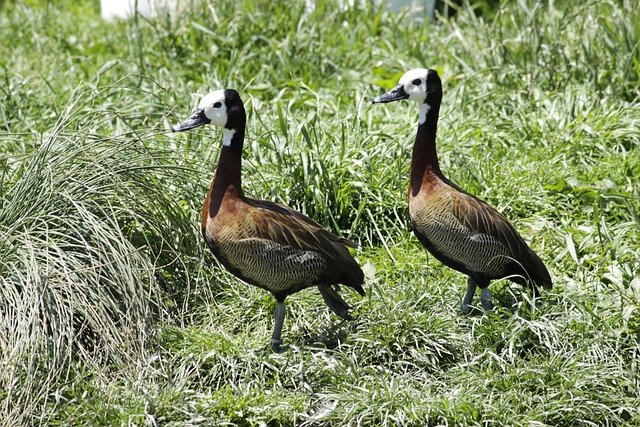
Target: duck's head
{"points": [[420, 84], [222, 108]]}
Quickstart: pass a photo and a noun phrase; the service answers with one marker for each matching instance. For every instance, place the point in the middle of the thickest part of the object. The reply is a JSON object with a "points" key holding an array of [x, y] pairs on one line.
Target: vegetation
{"points": [[112, 310]]}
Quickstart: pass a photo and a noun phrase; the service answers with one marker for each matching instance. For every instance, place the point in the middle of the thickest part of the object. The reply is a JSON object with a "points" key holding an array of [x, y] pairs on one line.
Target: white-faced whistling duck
{"points": [[267, 245], [460, 230]]}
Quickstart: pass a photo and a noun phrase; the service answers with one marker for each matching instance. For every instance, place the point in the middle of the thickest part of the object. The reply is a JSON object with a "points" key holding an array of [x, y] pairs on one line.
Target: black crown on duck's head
{"points": [[236, 115]]}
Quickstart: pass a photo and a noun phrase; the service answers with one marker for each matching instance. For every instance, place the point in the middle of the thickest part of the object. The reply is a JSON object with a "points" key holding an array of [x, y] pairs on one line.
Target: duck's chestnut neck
{"points": [[227, 181], [424, 161]]}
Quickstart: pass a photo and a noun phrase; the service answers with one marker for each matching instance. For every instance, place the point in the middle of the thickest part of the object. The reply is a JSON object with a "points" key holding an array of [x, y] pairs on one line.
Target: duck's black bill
{"points": [[395, 94], [198, 118]]}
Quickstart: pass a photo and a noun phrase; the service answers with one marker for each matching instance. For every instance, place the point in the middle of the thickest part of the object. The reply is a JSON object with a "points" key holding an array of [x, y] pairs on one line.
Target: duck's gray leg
{"points": [[468, 297], [277, 327], [485, 299]]}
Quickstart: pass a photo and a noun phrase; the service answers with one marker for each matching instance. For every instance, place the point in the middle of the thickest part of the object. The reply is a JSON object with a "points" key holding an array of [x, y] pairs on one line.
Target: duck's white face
{"points": [[214, 107], [414, 83], [420, 85]]}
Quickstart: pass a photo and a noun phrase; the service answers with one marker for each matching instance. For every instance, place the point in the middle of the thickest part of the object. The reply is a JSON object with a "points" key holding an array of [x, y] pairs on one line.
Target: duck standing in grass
{"points": [[460, 230], [267, 245]]}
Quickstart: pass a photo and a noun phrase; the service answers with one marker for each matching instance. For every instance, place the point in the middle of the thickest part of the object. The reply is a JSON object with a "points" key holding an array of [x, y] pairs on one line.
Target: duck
{"points": [[260, 242], [457, 228]]}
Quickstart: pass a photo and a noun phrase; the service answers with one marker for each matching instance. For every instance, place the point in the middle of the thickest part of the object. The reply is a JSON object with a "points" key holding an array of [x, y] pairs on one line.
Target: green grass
{"points": [[113, 311]]}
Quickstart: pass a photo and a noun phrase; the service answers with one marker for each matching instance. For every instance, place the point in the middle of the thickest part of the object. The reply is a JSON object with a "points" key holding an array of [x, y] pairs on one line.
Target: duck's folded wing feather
{"points": [[481, 218], [287, 226]]}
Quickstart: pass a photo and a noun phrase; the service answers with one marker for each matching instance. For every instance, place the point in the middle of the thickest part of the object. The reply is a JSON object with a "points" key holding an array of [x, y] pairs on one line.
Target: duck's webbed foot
{"points": [[275, 345], [485, 299]]}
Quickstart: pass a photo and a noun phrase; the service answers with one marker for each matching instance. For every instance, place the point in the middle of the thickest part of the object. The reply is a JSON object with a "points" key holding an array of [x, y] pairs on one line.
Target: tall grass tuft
{"points": [[85, 225]]}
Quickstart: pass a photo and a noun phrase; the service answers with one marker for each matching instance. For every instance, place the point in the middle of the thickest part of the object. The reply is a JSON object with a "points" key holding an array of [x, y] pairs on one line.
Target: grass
{"points": [[112, 310]]}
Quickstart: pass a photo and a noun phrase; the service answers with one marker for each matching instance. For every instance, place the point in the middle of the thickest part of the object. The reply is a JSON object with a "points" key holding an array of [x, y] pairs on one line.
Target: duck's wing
{"points": [[480, 218], [286, 226]]}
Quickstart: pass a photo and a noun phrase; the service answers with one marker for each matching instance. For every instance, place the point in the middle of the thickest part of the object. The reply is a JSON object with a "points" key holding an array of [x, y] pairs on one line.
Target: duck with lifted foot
{"points": [[265, 244]]}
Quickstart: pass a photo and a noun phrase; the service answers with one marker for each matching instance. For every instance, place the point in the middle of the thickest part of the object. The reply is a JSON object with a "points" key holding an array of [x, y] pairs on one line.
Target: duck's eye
{"points": [[417, 82], [217, 105]]}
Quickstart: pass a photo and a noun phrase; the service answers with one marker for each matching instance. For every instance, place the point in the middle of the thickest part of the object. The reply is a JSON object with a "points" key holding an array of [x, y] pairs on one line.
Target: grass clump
{"points": [[86, 224]]}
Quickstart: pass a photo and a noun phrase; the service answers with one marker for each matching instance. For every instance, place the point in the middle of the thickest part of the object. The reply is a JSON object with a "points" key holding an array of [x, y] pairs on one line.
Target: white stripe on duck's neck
{"points": [[227, 136], [424, 109]]}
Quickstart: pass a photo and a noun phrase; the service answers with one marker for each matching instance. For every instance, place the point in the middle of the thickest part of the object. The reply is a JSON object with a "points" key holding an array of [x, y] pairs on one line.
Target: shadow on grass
{"points": [[331, 336]]}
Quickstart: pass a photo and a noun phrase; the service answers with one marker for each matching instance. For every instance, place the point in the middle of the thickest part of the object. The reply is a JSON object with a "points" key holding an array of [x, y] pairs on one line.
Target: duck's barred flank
{"points": [[475, 251], [274, 266]]}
